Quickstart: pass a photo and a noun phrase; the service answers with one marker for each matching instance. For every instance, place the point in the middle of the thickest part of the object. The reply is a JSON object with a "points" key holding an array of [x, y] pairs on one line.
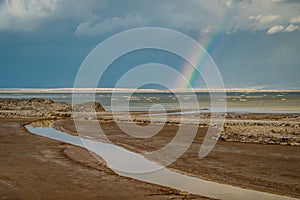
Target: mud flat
{"points": [[269, 168], [33, 167], [255, 151], [130, 164], [260, 128]]}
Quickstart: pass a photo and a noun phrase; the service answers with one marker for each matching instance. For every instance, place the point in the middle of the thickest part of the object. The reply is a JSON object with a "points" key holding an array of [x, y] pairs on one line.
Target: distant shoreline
{"points": [[120, 90]]}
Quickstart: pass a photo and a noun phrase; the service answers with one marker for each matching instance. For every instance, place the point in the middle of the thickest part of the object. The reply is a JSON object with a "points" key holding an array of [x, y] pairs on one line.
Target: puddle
{"points": [[120, 158]]}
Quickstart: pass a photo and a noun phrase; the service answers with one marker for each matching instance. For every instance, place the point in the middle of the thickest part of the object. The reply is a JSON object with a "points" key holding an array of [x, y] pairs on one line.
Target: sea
{"points": [[244, 102]]}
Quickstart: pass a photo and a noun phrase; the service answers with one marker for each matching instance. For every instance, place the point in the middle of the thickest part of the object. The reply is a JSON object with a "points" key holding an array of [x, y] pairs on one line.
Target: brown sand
{"points": [[33, 167], [269, 168]]}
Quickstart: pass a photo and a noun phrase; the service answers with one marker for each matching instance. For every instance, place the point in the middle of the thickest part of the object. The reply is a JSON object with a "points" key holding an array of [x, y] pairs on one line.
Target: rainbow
{"points": [[190, 72]]}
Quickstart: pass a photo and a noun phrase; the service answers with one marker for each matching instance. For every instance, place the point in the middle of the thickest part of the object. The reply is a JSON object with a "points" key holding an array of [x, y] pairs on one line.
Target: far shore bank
{"points": [[88, 90]]}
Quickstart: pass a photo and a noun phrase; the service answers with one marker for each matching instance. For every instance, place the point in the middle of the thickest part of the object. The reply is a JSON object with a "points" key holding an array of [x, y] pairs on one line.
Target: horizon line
{"points": [[58, 90]]}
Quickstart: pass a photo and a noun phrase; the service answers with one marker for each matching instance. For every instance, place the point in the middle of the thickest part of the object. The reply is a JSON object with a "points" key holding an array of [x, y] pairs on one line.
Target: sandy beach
{"points": [[41, 168], [33, 167]]}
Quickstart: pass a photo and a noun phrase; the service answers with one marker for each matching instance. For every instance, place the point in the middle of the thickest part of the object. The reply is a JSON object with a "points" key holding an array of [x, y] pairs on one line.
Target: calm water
{"points": [[278, 102], [120, 160]]}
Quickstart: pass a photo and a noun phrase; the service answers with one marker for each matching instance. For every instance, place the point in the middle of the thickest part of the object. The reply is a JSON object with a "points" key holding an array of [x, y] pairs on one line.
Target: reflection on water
{"points": [[119, 158]]}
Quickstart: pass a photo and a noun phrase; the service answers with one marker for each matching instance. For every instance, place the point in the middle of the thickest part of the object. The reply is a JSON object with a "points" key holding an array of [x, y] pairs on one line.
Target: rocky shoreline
{"points": [[280, 129], [283, 133], [42, 108], [33, 108]]}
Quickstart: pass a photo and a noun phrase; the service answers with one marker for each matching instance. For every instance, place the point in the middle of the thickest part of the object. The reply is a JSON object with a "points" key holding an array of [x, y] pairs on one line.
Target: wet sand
{"points": [[260, 152], [33, 167], [269, 168]]}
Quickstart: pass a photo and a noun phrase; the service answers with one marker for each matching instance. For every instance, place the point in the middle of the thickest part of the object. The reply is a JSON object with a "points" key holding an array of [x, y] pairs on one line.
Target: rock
{"points": [[88, 107], [33, 108], [295, 144]]}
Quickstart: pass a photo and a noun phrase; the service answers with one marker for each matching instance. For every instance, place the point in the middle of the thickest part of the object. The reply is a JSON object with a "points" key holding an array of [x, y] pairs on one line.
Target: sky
{"points": [[254, 43]]}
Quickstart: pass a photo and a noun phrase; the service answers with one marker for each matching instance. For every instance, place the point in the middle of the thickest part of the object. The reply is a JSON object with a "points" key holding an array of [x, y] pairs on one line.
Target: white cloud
{"points": [[268, 19], [275, 29], [280, 28], [98, 16], [111, 24], [206, 30], [228, 16], [295, 20], [263, 22], [29, 15], [291, 28], [228, 3], [21, 15]]}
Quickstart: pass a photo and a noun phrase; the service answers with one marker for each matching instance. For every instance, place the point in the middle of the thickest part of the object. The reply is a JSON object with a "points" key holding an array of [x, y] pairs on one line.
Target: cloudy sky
{"points": [[256, 43]]}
